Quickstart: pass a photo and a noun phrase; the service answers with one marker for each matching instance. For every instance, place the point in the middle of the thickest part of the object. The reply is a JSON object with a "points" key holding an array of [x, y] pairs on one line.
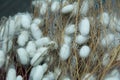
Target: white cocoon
{"points": [[23, 38], [107, 40], [31, 48], [38, 21], [2, 58], [80, 39], [43, 8], [105, 18], [39, 56], [67, 9], [19, 77], [23, 56], [11, 74], [70, 29], [84, 26], [36, 32], [39, 71], [26, 20], [64, 52], [12, 28], [67, 39], [55, 6], [84, 7], [106, 59], [49, 76], [84, 51], [42, 41]]}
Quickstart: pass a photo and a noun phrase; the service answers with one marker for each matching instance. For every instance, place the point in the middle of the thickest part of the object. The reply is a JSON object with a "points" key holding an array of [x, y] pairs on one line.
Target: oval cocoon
{"points": [[67, 9]]}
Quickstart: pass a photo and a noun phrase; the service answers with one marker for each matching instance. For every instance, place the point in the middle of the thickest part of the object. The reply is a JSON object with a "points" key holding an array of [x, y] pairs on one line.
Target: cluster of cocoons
{"points": [[22, 34]]}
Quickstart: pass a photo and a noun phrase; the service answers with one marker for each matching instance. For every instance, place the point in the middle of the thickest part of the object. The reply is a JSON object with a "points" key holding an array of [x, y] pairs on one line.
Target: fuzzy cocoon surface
{"points": [[64, 52], [80, 39], [31, 48], [55, 6], [36, 32], [84, 51], [19, 77], [84, 26], [67, 39], [11, 74], [23, 38], [2, 58], [70, 29], [67, 9], [106, 59], [23, 56], [105, 19]]}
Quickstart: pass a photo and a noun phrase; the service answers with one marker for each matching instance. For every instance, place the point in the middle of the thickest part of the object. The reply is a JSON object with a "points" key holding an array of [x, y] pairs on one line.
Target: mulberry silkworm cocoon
{"points": [[19, 77], [43, 8], [80, 39], [84, 26], [107, 40], [23, 56], [67, 9], [84, 51], [23, 38], [39, 72], [64, 52], [2, 58], [36, 32], [26, 20], [84, 7], [70, 29], [38, 21], [17, 19], [11, 74], [55, 6], [39, 56], [67, 40], [42, 41], [66, 78], [105, 19], [12, 28], [49, 76], [106, 59], [31, 48]]}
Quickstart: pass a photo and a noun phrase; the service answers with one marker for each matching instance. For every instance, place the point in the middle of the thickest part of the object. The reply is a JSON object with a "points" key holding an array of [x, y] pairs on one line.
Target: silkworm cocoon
{"points": [[23, 56], [19, 77], [70, 29], [42, 41], [11, 74], [112, 78], [39, 72], [2, 58], [31, 48], [107, 40], [84, 51], [66, 78], [55, 6], [43, 8], [12, 28], [36, 32], [67, 39], [105, 19], [39, 56], [49, 76], [89, 76], [80, 39], [84, 7], [23, 38], [38, 21], [26, 20], [64, 52], [106, 59], [84, 26], [67, 9], [17, 19]]}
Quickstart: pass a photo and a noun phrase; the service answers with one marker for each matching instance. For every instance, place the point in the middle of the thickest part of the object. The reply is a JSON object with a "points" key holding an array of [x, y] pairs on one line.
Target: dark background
{"points": [[11, 7]]}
